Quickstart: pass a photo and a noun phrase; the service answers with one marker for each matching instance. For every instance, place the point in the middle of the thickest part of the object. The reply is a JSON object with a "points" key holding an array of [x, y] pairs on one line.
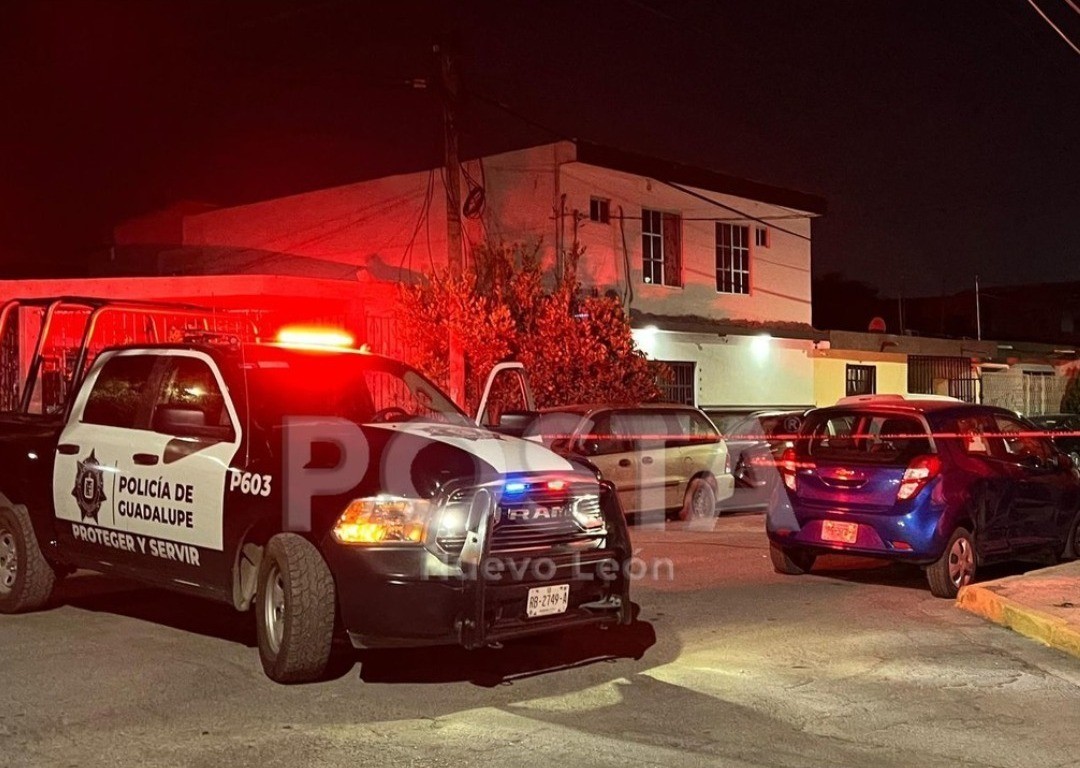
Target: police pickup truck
{"points": [[333, 490]]}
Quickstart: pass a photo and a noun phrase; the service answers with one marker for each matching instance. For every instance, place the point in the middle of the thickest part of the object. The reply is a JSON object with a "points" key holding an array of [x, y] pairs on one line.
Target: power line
{"points": [[1073, 5], [726, 207], [1055, 27]]}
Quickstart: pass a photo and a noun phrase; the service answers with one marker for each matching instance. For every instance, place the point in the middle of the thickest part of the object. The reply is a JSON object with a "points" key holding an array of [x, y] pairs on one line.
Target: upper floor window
{"points": [[732, 258], [599, 210], [761, 237], [661, 248]]}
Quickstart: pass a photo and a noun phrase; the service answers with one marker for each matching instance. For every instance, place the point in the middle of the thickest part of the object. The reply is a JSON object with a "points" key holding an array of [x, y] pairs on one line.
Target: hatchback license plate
{"points": [[845, 533], [546, 601]]}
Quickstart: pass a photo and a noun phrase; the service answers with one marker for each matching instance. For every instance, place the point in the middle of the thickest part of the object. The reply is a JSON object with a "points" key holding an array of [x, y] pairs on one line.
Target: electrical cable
{"points": [[726, 207], [1055, 27], [425, 207]]}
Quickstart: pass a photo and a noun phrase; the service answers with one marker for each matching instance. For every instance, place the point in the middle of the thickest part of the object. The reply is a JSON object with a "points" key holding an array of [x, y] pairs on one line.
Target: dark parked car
{"points": [[1067, 425], [755, 443], [934, 482]]}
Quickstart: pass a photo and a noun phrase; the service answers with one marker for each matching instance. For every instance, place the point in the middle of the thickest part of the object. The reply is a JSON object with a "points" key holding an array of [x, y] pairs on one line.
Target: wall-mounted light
{"points": [[760, 346]]}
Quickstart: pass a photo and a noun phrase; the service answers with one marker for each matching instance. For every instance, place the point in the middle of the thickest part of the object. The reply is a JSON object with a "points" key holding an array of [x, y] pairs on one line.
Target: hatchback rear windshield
{"points": [[885, 438]]}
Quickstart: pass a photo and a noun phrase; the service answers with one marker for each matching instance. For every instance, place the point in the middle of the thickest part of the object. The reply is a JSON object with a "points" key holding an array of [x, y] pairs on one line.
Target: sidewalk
{"points": [[1042, 604]]}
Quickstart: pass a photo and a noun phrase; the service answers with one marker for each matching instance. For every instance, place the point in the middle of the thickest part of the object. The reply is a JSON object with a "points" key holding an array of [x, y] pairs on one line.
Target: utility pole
{"points": [[448, 93], [978, 312]]}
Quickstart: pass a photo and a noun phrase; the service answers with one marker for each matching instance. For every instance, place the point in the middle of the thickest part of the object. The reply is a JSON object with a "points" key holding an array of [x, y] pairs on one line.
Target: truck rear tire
{"points": [[26, 578], [294, 610]]}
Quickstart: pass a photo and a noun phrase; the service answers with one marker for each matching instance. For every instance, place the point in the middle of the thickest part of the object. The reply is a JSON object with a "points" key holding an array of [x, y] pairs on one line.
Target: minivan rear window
{"points": [[885, 438]]}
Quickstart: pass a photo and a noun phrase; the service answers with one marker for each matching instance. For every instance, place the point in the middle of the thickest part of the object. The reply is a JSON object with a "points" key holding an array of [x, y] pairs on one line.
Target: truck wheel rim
{"points": [[9, 562], [274, 608], [961, 562]]}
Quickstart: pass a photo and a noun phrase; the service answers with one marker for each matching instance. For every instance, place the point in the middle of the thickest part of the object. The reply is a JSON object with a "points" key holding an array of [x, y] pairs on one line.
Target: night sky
{"points": [[945, 136]]}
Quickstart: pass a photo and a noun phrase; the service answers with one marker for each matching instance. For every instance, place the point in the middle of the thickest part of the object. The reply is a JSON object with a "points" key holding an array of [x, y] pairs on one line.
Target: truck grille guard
{"points": [[577, 529]]}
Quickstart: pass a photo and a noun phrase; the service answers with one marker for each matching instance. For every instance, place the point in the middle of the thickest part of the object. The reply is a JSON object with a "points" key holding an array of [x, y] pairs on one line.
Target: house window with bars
{"points": [[661, 248], [861, 380], [732, 258], [679, 388]]}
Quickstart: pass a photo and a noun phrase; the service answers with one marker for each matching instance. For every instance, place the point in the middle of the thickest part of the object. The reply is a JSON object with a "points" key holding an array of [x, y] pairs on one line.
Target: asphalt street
{"points": [[727, 664]]}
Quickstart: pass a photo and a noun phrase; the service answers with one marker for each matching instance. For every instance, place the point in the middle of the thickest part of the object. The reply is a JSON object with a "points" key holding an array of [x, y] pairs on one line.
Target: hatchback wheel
{"points": [[700, 501], [955, 568]]}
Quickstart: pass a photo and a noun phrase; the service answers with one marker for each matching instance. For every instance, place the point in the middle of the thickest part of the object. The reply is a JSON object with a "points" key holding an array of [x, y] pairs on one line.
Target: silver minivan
{"points": [[658, 457]]}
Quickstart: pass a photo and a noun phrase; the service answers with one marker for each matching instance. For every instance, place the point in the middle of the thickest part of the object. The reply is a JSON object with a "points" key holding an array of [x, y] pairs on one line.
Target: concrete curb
{"points": [[987, 601]]}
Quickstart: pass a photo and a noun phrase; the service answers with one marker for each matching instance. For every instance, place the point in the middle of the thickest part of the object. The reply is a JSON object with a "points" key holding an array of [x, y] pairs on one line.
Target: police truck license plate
{"points": [[545, 601], [845, 533]]}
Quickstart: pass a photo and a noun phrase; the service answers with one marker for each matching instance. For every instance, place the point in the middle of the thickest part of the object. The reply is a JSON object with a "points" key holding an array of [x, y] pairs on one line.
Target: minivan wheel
{"points": [[790, 561], [699, 502], [26, 578], [294, 610], [956, 566]]}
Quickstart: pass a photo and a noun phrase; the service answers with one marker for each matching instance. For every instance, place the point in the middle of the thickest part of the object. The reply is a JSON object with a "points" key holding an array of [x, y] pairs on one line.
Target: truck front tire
{"points": [[26, 578], [294, 610]]}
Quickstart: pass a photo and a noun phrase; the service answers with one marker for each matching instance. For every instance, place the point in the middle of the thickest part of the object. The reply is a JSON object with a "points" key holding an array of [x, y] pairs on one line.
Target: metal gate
{"points": [[940, 375]]}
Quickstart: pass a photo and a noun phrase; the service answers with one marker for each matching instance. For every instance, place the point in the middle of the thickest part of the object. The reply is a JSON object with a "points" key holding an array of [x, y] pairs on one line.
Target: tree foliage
{"points": [[576, 347]]}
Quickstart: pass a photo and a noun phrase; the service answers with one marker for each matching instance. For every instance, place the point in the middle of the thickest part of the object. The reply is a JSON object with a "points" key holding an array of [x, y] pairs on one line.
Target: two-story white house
{"points": [[714, 270]]}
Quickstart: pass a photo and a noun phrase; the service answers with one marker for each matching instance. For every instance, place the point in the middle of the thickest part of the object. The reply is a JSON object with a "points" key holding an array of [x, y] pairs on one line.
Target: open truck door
{"points": [[507, 404]]}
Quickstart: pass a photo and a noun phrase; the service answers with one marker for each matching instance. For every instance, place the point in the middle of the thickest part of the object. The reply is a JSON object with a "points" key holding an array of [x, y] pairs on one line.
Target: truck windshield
{"points": [[361, 388]]}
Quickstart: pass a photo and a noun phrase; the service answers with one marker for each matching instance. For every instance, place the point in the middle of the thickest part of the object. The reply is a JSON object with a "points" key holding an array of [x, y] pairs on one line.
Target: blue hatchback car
{"points": [[935, 482]]}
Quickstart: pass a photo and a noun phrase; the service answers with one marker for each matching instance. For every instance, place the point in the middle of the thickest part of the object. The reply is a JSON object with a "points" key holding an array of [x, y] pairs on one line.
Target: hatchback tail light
{"points": [[920, 471], [788, 465]]}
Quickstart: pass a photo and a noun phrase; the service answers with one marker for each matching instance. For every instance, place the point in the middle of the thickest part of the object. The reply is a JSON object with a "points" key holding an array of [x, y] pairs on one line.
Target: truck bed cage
{"points": [[47, 344]]}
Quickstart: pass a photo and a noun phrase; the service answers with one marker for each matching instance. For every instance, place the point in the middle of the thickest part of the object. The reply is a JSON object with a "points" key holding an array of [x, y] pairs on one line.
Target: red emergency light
{"points": [[317, 338]]}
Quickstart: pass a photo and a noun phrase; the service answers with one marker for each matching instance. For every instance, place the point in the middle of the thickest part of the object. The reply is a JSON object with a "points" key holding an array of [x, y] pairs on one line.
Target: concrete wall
{"points": [[1030, 390], [830, 374], [538, 196], [371, 225], [738, 372], [779, 275]]}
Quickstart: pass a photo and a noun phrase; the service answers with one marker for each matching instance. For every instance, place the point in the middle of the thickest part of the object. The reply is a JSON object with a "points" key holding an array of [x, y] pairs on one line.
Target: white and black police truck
{"points": [[333, 490]]}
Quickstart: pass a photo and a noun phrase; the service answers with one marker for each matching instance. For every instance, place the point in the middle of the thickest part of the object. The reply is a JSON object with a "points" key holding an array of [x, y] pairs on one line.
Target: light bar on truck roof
{"points": [[315, 338]]}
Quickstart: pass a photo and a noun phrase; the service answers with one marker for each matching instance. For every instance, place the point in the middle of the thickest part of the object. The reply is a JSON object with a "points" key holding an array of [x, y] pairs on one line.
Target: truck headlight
{"points": [[380, 519]]}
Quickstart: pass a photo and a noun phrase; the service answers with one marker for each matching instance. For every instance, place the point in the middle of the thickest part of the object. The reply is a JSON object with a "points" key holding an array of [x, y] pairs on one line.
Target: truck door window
{"points": [[190, 402], [120, 392]]}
